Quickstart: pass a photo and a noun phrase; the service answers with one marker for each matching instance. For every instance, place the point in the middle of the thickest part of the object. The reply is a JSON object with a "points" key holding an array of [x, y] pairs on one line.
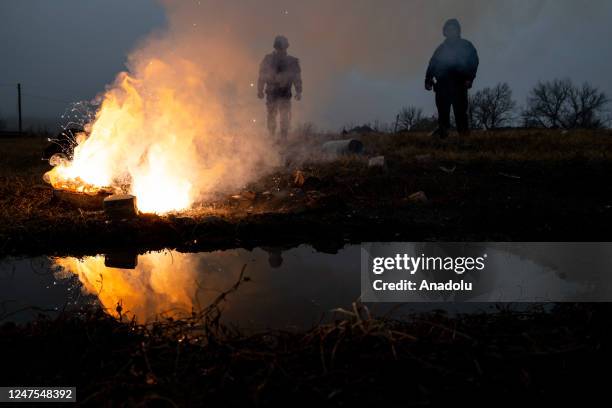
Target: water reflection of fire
{"points": [[161, 284]]}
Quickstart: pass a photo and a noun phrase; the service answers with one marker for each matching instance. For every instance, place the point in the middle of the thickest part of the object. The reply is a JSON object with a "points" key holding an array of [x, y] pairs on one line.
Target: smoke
{"points": [[342, 44], [359, 57], [185, 123]]}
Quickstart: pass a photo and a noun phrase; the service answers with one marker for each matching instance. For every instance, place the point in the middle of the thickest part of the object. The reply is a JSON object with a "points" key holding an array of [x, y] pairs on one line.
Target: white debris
{"points": [[378, 161], [418, 197]]}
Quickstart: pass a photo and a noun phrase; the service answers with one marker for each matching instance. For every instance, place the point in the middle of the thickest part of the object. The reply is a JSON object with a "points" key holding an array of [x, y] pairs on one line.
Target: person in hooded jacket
{"points": [[451, 72]]}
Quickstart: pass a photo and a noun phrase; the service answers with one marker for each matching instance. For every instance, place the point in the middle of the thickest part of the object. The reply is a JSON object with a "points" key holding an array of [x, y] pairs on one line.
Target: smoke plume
{"points": [[360, 57], [184, 121]]}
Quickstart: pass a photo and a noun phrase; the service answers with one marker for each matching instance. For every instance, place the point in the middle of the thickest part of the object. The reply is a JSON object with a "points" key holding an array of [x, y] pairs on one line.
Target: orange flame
{"points": [[155, 136], [159, 285], [170, 283]]}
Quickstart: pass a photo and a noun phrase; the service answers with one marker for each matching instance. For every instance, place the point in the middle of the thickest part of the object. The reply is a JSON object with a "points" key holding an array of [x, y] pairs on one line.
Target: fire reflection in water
{"points": [[285, 287], [161, 284]]}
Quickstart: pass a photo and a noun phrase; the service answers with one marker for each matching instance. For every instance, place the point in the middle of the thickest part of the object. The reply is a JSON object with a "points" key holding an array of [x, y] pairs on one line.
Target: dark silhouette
{"points": [[492, 108], [275, 256], [450, 74], [278, 73], [560, 104]]}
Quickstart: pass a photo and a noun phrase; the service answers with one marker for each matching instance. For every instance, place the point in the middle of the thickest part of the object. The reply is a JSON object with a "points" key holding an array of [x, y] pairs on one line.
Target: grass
{"points": [[505, 145], [506, 185], [354, 359]]}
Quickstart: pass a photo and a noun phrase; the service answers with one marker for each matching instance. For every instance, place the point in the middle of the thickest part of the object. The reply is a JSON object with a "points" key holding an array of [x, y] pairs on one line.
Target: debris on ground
{"points": [[298, 178], [423, 158], [305, 182], [84, 201], [119, 206], [418, 197], [249, 195], [471, 202], [510, 176], [378, 161], [342, 147]]}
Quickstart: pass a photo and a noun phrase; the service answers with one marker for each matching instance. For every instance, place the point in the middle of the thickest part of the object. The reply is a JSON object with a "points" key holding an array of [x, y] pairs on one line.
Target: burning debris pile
{"points": [[173, 132], [61, 179], [134, 145]]}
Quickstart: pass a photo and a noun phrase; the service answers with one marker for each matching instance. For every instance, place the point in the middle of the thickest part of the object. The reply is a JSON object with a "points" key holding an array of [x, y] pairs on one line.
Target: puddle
{"points": [[284, 288]]}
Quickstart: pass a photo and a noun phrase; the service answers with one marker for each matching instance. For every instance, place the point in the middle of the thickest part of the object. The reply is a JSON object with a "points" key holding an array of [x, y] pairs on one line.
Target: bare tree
{"points": [[408, 118], [491, 108], [560, 104], [588, 104]]}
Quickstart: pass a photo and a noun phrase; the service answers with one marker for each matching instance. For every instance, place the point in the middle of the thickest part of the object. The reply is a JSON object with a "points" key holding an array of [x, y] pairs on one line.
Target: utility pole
{"points": [[19, 107]]}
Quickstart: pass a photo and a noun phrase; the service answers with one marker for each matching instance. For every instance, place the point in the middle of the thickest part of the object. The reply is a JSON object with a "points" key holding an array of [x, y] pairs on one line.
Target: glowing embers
{"points": [[62, 177]]}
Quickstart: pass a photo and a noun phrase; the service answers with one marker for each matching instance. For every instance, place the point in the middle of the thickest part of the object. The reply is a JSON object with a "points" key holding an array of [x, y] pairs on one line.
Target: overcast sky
{"points": [[362, 60], [66, 50]]}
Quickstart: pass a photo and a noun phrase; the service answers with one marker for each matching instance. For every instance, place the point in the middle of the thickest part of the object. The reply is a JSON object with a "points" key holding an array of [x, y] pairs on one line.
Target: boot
{"points": [[439, 132]]}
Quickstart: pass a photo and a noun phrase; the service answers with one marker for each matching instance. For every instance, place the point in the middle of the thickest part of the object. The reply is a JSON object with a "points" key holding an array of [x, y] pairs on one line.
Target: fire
{"points": [[177, 128], [166, 283], [146, 140], [159, 284]]}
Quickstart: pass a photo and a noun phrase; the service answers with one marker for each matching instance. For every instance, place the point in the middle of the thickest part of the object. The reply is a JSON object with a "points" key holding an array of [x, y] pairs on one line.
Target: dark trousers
{"points": [[279, 107], [455, 95]]}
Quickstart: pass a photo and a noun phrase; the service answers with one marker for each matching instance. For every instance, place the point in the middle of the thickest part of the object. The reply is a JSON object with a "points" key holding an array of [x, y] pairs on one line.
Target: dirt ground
{"points": [[513, 185]]}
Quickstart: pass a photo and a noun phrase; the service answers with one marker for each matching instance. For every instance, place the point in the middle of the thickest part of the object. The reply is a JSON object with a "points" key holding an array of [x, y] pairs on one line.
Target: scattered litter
{"points": [[248, 195], [85, 201], [423, 158], [418, 197], [378, 161], [510, 176], [298, 178], [448, 170], [342, 147], [120, 206], [306, 183], [244, 196]]}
